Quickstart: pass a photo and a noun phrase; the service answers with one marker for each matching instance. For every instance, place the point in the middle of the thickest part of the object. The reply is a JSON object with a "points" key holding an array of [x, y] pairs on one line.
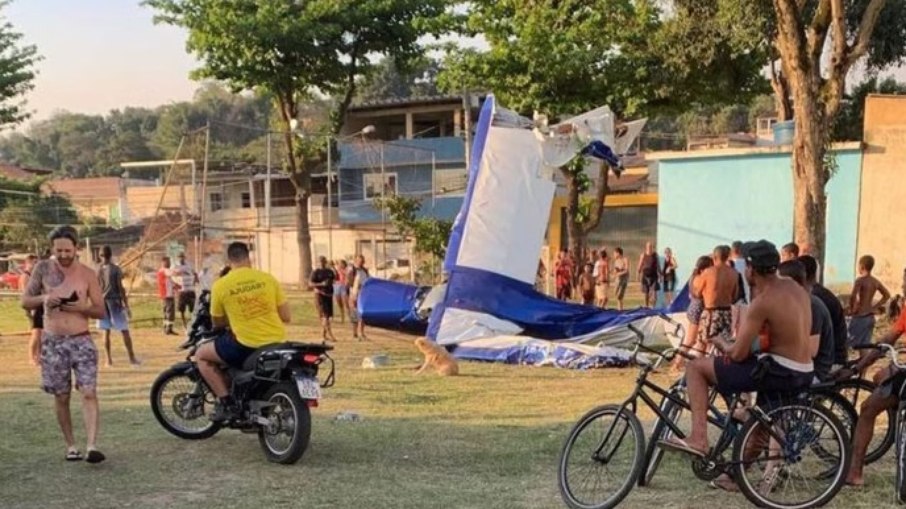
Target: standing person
{"points": [[35, 316], [322, 280], [116, 304], [822, 330], [670, 266], [185, 278], [341, 288], [861, 303], [739, 263], [602, 280], [167, 293], [718, 287], [621, 273], [358, 274], [832, 303], [70, 295], [587, 286], [540, 277], [649, 273], [694, 314], [789, 252], [563, 274]]}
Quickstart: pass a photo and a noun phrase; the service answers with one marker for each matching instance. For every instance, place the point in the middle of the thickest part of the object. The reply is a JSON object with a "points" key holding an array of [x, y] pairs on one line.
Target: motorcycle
{"points": [[274, 392]]}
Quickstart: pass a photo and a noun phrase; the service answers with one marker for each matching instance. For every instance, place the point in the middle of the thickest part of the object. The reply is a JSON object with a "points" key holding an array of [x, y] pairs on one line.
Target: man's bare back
{"points": [[51, 279], [717, 286], [861, 302], [784, 309]]}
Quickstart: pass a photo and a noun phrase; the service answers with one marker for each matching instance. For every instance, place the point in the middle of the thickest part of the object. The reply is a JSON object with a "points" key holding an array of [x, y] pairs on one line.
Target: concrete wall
{"points": [[884, 188], [142, 202], [716, 197]]}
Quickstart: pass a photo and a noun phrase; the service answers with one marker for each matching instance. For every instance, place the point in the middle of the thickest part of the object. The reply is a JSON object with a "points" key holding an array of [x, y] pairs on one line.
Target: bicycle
{"points": [[852, 389], [899, 421], [779, 434]]}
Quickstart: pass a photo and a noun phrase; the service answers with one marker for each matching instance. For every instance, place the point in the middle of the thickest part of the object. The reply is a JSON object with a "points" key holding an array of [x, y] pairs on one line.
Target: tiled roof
{"points": [[404, 101], [22, 173], [98, 189]]}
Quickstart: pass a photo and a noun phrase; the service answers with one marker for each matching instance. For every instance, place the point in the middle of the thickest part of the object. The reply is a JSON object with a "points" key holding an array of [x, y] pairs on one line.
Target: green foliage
{"points": [[391, 79], [850, 121], [430, 234], [17, 72]]}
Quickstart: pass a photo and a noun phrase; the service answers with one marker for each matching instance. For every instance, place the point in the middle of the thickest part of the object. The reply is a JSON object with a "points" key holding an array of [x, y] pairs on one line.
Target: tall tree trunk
{"points": [[809, 179], [301, 181], [576, 238]]}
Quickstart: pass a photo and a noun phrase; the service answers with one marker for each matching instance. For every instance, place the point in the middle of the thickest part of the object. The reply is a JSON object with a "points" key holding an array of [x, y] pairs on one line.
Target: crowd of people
{"points": [[591, 278]]}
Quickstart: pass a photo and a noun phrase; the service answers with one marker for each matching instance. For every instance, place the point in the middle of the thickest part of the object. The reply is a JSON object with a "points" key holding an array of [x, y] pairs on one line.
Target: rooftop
{"points": [[22, 173]]}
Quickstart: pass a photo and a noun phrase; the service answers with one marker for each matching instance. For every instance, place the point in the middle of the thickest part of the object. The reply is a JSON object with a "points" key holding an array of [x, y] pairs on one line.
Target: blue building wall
{"points": [[411, 161], [713, 199]]}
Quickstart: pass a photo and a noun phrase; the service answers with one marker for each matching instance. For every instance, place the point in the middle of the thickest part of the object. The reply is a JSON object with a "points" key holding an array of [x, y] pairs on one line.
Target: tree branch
{"points": [[818, 30], [866, 29], [597, 211]]}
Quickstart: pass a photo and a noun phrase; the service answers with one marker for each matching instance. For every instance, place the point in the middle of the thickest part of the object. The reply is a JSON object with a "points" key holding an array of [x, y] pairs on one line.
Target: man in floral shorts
{"points": [[70, 295]]}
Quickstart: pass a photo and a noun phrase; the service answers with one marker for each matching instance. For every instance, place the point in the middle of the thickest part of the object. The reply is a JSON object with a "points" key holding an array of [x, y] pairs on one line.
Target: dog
{"points": [[436, 357]]}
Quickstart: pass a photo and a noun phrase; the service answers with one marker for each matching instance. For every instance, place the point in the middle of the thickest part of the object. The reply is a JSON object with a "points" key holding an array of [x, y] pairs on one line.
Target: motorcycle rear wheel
{"points": [[285, 439], [179, 405]]}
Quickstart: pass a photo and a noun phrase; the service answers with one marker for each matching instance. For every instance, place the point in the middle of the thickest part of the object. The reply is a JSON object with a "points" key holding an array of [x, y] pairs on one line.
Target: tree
{"points": [[297, 50], [430, 234], [850, 121], [566, 57], [26, 216], [391, 79], [17, 72], [811, 47]]}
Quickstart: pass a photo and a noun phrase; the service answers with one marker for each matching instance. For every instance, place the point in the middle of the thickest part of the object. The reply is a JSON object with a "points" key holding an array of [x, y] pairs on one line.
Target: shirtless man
{"points": [[781, 313], [718, 286], [789, 251], [861, 303], [70, 294], [884, 397]]}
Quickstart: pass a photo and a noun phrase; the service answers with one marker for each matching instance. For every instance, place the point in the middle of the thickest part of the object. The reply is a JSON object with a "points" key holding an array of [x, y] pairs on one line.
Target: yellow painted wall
{"points": [[616, 200], [883, 192]]}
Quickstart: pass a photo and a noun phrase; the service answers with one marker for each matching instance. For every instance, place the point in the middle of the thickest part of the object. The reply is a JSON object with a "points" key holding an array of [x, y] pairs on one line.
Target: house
{"points": [[712, 197], [102, 198], [22, 173]]}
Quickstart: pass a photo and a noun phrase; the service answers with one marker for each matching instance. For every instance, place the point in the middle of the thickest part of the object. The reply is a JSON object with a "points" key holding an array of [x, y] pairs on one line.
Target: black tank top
{"points": [[649, 264]]}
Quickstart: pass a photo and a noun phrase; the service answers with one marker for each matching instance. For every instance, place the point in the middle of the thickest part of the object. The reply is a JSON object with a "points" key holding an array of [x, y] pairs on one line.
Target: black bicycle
{"points": [[856, 389], [898, 422], [786, 446]]}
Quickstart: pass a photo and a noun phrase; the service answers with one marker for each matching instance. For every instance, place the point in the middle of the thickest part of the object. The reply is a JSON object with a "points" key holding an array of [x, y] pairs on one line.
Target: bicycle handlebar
{"points": [[889, 350]]}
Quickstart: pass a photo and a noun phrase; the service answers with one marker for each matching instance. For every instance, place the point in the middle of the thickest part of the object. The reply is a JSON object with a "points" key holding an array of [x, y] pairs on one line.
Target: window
{"points": [[216, 202], [371, 182], [246, 200]]}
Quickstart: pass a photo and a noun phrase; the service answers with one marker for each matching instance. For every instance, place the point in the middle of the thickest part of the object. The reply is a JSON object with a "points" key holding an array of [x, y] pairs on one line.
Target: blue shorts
{"points": [[116, 318], [231, 351]]}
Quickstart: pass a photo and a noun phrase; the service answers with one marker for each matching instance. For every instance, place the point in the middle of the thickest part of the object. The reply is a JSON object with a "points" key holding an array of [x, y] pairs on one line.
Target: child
{"points": [[861, 303], [587, 285], [693, 314]]}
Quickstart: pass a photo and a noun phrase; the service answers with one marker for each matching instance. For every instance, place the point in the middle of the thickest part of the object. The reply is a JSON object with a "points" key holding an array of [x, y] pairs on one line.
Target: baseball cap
{"points": [[761, 254]]}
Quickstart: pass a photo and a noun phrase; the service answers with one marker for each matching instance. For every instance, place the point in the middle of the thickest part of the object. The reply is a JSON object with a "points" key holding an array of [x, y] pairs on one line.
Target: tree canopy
{"points": [[17, 72]]}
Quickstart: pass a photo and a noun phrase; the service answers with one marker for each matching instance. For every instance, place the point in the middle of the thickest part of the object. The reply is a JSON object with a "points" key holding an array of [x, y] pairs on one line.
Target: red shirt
{"points": [[164, 283], [900, 326]]}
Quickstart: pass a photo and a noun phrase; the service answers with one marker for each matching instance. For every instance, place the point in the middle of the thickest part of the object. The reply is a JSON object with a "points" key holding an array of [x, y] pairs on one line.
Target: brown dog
{"points": [[437, 357]]}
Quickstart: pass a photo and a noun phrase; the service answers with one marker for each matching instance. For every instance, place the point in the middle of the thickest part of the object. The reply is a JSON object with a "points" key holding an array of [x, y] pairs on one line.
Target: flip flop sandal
{"points": [[95, 456], [676, 444], [73, 455]]}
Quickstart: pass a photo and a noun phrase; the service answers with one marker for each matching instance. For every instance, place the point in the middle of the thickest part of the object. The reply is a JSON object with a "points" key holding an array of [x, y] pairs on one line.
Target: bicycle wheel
{"points": [[856, 391], [901, 455], [841, 407], [796, 457], [653, 452], [602, 458]]}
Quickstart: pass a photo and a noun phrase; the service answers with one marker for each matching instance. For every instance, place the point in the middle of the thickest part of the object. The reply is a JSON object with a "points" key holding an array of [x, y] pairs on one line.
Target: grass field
{"points": [[487, 439]]}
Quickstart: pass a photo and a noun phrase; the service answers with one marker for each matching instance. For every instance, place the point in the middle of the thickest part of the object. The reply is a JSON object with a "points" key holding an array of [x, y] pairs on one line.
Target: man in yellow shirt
{"points": [[252, 304]]}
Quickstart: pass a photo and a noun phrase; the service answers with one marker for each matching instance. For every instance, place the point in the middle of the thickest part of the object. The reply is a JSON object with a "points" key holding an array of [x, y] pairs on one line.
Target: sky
{"points": [[101, 55]]}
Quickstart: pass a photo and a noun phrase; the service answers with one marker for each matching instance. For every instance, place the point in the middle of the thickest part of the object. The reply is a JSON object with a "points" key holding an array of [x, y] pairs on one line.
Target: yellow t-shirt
{"points": [[249, 299]]}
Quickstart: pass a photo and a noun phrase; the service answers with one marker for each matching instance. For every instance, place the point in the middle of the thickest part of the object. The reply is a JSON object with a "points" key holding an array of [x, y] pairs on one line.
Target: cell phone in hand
{"points": [[74, 297]]}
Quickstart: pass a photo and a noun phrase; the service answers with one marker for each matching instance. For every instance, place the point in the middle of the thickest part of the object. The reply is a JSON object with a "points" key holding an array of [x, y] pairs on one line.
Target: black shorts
{"points": [[893, 385], [650, 283], [622, 283], [738, 377], [186, 302], [36, 318], [169, 305], [325, 305], [231, 351], [670, 283]]}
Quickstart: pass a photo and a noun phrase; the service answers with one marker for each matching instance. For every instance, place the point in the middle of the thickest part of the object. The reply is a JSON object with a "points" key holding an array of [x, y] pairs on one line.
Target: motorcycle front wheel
{"points": [[285, 437], [181, 404]]}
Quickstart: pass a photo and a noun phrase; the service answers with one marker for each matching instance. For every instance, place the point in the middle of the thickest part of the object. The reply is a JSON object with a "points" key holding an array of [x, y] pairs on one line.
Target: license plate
{"points": [[309, 388]]}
